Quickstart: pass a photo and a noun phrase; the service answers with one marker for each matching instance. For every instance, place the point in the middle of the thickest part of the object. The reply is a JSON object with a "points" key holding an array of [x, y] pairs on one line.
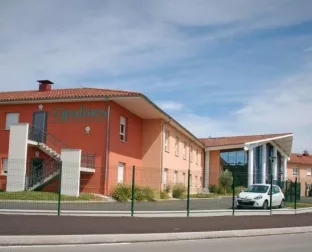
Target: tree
{"points": [[225, 180]]}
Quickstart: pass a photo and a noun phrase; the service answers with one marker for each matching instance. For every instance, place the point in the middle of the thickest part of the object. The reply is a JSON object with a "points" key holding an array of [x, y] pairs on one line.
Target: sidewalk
{"points": [[16, 225]]}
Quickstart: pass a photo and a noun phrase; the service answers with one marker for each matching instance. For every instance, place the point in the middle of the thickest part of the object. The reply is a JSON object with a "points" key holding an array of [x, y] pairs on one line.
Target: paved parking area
{"points": [[170, 205]]}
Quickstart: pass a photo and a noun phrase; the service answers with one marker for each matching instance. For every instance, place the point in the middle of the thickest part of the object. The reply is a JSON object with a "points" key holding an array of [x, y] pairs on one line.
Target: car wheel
{"points": [[282, 205], [265, 205]]}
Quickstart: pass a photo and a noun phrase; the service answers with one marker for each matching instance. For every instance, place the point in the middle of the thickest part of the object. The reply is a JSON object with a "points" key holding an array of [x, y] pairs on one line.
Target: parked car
{"points": [[258, 196]]}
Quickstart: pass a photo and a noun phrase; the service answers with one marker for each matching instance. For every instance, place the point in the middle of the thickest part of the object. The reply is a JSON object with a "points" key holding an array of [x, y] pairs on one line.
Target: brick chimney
{"points": [[45, 85]]}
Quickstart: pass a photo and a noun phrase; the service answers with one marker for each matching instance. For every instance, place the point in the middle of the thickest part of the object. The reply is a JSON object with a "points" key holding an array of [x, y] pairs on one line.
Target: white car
{"points": [[258, 196]]}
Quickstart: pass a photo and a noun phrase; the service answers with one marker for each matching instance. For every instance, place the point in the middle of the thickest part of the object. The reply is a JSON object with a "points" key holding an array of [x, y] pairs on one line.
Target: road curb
{"points": [[131, 238]]}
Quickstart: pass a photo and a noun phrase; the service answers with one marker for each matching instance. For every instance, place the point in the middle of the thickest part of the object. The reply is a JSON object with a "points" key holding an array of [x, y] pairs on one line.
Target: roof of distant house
{"points": [[71, 93], [304, 159], [237, 140]]}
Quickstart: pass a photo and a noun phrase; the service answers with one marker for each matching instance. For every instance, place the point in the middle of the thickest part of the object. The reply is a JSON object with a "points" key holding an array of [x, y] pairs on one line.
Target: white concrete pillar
{"points": [[250, 166], [17, 158], [207, 170], [264, 164], [284, 168], [71, 160], [274, 164]]}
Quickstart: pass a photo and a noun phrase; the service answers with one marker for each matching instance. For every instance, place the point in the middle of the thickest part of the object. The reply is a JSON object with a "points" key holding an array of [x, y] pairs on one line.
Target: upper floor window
{"points": [[191, 154], [177, 146], [123, 127], [295, 171], [167, 135], [11, 118], [4, 166], [309, 171], [196, 156], [184, 150]]}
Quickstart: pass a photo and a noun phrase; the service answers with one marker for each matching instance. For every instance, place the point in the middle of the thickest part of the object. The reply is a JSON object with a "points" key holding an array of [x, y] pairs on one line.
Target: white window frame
{"points": [[177, 143], [309, 172], [9, 121], [165, 177], [4, 167], [120, 179], [123, 134], [184, 150], [167, 137], [295, 173], [191, 154]]}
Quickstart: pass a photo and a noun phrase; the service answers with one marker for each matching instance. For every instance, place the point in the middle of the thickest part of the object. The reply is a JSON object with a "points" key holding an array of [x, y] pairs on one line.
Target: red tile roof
{"points": [[296, 158], [63, 94], [236, 140]]}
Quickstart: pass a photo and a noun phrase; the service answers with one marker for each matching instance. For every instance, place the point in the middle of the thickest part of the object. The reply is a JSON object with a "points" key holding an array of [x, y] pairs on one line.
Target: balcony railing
{"points": [[40, 136]]}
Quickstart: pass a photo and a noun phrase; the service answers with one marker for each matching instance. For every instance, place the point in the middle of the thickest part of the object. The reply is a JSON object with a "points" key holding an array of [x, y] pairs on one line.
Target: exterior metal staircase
{"points": [[51, 168]]}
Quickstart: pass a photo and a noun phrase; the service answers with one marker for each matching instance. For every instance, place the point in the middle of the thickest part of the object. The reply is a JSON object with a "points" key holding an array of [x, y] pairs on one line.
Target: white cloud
{"points": [[170, 105]]}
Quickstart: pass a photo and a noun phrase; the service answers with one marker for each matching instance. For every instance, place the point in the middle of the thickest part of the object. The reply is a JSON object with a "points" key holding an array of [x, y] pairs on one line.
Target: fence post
{"points": [[296, 195], [271, 192], [188, 193], [133, 191], [233, 196], [59, 190]]}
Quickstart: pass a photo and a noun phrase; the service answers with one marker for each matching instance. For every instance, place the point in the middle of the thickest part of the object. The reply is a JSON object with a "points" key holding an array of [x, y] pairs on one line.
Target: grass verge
{"points": [[299, 204], [46, 196]]}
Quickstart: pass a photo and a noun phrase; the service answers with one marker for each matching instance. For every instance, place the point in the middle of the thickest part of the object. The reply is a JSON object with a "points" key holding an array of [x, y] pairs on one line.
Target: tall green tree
{"points": [[226, 180]]}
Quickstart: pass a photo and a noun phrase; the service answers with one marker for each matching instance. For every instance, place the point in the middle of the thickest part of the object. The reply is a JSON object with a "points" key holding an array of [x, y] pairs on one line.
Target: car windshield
{"points": [[257, 189]]}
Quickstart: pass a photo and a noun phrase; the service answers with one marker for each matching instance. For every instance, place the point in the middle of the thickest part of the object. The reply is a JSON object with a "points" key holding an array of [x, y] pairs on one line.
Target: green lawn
{"points": [[299, 204], [48, 196], [207, 195]]}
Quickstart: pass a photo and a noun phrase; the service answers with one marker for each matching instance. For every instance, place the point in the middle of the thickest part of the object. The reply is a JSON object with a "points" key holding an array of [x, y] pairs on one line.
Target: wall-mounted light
{"points": [[40, 107], [87, 130], [37, 154]]}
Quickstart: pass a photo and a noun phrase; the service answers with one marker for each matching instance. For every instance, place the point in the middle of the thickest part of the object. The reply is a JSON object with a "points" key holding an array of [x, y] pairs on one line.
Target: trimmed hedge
{"points": [[123, 193]]}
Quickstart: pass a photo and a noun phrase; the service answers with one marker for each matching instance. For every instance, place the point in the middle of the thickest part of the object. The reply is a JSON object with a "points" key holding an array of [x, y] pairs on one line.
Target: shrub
{"points": [[212, 188], [138, 194], [168, 189], [148, 193], [226, 180], [122, 193], [218, 190], [164, 195], [178, 191]]}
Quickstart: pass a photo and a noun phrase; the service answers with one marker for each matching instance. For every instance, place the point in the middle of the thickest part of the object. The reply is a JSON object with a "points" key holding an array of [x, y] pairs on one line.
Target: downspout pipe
{"points": [[107, 150], [162, 151]]}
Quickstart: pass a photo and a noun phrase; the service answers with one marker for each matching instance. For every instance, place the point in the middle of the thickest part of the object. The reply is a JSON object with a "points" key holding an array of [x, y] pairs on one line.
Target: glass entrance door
{"points": [[40, 126]]}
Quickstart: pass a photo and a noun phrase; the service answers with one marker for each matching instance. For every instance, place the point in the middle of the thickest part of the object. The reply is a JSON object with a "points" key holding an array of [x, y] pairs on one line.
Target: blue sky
{"points": [[220, 67]]}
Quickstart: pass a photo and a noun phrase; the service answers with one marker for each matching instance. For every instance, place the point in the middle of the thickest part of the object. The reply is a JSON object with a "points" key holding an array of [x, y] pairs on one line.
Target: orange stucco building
{"points": [[113, 131]]}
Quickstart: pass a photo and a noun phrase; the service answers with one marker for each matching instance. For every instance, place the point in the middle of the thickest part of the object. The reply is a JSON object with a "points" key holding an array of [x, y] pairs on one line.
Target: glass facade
{"points": [[235, 161]]}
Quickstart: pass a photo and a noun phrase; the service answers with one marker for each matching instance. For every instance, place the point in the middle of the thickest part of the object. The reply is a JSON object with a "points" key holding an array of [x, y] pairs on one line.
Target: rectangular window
{"points": [[191, 180], [175, 177], [123, 127], [191, 154], [11, 118], [200, 181], [177, 146], [184, 178], [184, 150], [196, 156], [196, 181], [4, 166], [167, 135], [120, 173], [309, 171], [165, 178], [295, 171]]}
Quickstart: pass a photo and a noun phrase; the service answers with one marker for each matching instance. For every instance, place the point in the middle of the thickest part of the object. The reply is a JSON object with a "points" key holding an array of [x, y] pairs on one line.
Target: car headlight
{"points": [[258, 197]]}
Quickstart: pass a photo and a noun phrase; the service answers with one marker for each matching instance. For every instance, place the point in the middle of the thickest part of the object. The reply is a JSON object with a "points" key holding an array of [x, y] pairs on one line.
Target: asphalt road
{"points": [[171, 205], [278, 243], [79, 225]]}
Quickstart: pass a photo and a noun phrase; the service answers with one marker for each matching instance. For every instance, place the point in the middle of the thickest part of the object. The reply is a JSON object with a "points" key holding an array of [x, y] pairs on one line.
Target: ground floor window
{"points": [[120, 173]]}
